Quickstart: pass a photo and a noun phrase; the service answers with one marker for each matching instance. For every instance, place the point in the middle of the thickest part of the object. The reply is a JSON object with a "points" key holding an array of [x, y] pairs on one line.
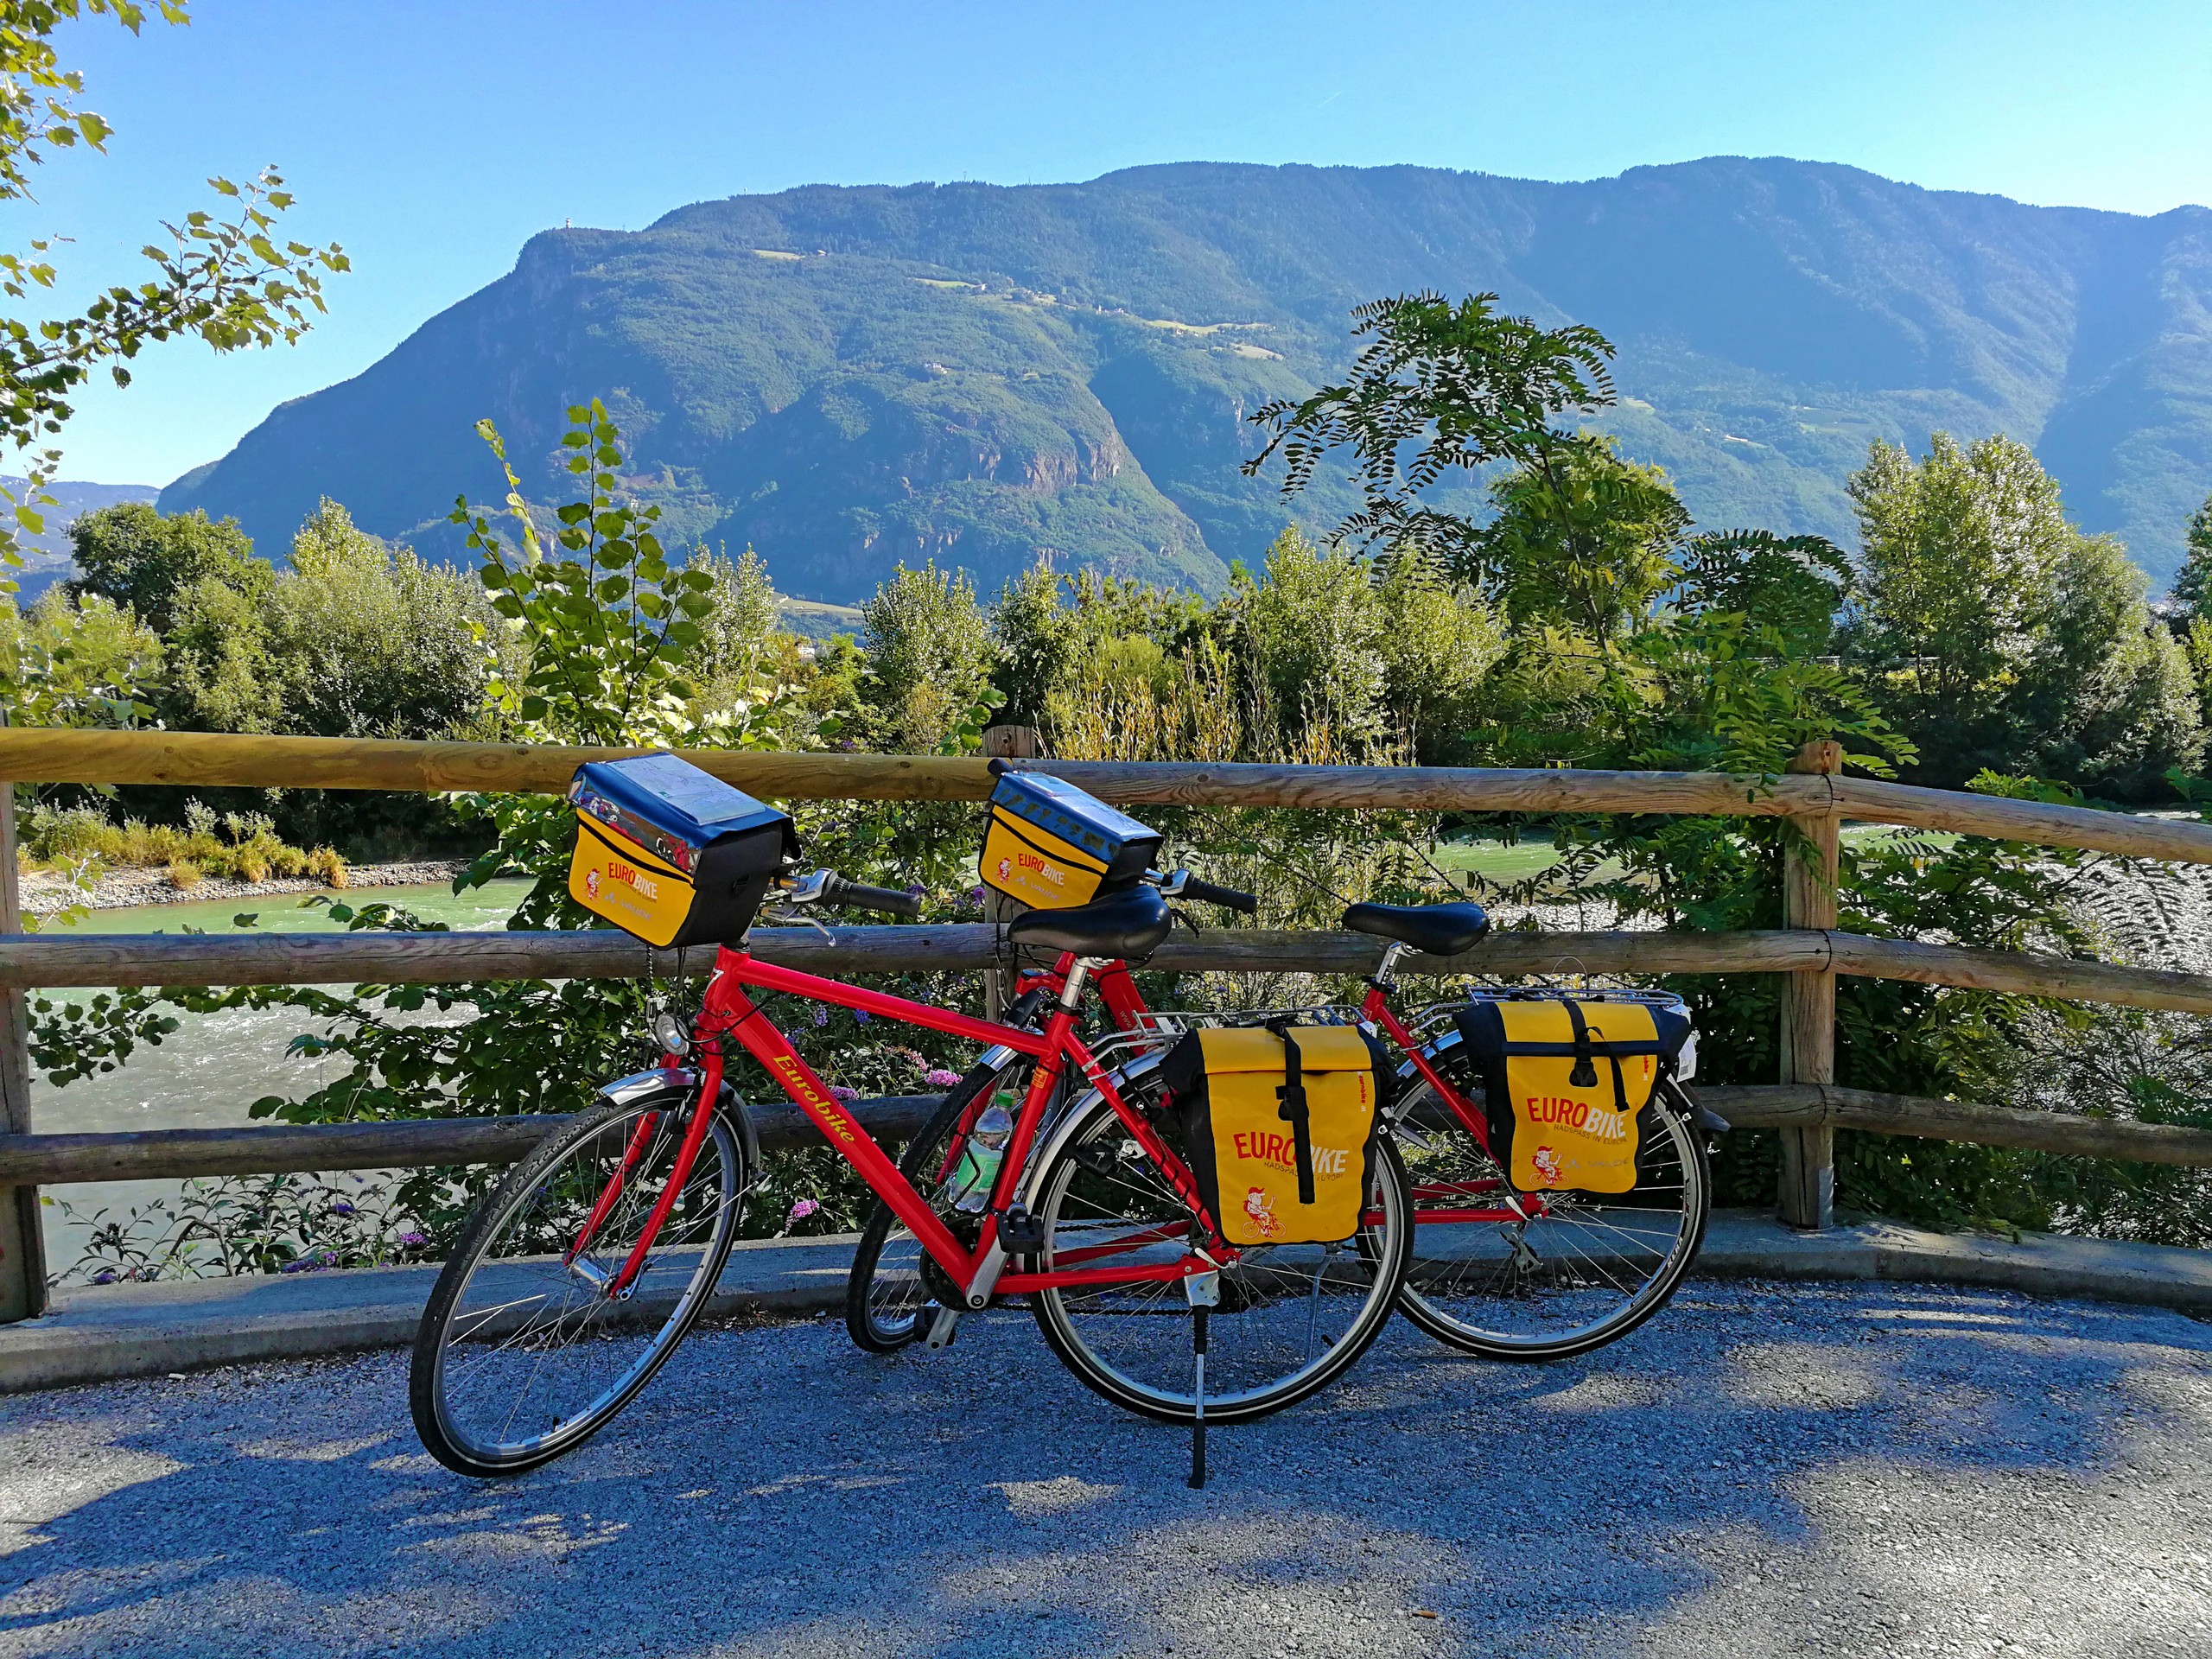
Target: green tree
{"points": [[1582, 540], [2000, 636], [138, 558], [1442, 388], [737, 641], [1312, 628], [228, 280], [1439, 642], [364, 640], [929, 661], [2192, 583]]}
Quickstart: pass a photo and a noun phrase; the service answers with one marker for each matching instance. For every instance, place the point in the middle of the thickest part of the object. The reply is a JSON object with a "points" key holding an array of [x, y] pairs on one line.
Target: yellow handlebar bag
{"points": [[1566, 1082], [1278, 1126]]}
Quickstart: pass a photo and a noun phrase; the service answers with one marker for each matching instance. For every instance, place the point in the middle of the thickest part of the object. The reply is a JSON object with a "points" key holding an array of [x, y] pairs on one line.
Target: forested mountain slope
{"points": [[848, 376]]}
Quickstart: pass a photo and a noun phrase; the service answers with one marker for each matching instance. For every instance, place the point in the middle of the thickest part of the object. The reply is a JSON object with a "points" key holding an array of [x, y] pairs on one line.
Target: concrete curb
{"points": [[105, 1333]]}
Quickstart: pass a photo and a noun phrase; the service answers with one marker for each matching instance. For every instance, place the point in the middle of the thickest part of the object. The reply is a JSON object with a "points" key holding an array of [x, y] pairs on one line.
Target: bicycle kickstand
{"points": [[1204, 1290]]}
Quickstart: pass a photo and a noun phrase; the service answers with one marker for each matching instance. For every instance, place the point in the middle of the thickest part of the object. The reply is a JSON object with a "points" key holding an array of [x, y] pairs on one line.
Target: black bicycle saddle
{"points": [[1433, 930], [1129, 925]]}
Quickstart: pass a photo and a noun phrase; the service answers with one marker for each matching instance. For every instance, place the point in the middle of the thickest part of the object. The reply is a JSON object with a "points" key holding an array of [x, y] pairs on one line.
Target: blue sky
{"points": [[432, 139]]}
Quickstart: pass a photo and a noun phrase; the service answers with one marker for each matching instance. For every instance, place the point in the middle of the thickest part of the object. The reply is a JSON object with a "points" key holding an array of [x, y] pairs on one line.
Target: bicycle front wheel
{"points": [[1586, 1270], [522, 1354], [1292, 1318]]}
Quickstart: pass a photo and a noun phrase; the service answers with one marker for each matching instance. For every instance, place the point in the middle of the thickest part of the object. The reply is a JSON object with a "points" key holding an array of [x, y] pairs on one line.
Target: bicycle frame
{"points": [[729, 1011]]}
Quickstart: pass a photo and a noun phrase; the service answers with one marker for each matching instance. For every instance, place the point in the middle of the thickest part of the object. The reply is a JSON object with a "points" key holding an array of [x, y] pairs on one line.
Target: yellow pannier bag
{"points": [[1279, 1127], [1053, 847], [1566, 1082]]}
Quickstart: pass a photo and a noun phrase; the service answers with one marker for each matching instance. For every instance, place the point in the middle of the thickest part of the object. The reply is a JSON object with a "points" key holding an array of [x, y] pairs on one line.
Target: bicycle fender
{"points": [[680, 1083]]}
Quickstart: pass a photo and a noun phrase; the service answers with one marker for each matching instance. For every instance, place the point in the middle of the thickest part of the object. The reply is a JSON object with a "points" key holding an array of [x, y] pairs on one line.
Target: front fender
{"points": [[681, 1084]]}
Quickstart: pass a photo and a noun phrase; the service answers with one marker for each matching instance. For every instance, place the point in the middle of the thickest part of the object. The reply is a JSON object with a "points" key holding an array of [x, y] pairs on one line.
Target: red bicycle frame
{"points": [[729, 1011]]}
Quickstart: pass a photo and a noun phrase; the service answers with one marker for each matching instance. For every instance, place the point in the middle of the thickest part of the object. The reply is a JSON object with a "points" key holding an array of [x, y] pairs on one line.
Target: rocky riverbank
{"points": [[46, 892]]}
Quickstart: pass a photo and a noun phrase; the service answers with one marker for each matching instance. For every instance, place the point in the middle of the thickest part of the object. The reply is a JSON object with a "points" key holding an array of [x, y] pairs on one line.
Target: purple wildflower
{"points": [[863, 1015], [821, 1014], [412, 1240], [940, 1078], [341, 1208], [104, 1276], [839, 1091], [800, 1212]]}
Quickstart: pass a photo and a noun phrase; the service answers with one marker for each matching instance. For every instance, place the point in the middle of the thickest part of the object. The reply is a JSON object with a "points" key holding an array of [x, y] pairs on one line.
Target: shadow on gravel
{"points": [[1771, 1469]]}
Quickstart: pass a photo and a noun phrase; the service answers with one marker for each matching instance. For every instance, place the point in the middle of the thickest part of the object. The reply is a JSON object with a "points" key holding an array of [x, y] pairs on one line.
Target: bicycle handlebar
{"points": [[837, 890], [1227, 898], [1181, 884]]}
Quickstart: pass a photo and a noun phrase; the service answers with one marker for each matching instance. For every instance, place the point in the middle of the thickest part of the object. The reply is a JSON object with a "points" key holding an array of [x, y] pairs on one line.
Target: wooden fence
{"points": [[1804, 1102]]}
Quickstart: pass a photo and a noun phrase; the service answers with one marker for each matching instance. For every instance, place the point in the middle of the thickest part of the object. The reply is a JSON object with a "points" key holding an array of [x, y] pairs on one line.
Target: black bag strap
{"points": [[1293, 1110], [1584, 1075]]}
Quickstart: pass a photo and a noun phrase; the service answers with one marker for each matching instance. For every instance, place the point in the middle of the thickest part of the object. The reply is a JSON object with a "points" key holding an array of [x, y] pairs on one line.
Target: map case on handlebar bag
{"points": [[1566, 1081], [1278, 1127], [1053, 847], [670, 853]]}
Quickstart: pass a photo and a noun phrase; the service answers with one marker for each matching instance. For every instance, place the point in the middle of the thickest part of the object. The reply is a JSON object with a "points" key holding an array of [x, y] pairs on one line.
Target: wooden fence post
{"points": [[1005, 743], [1808, 900], [23, 1240]]}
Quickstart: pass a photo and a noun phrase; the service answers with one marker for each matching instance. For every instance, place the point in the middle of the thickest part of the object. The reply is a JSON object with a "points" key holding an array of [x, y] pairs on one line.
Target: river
{"points": [[207, 1072]]}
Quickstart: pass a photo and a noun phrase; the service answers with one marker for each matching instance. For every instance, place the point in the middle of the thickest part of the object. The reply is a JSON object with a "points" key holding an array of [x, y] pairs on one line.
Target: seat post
{"points": [[1072, 992], [1381, 980]]}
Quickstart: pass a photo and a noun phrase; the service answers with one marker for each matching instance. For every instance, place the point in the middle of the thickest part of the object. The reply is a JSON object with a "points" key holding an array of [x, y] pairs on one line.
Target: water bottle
{"points": [[978, 1169]]}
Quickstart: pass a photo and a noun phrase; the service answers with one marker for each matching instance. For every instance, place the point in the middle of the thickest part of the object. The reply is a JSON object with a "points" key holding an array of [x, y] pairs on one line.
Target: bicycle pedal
{"points": [[1021, 1233], [941, 1329]]}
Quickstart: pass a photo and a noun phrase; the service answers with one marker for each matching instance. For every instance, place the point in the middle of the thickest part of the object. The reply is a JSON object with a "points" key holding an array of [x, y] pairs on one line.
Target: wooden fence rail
{"points": [[212, 760], [1806, 1105], [176, 1154]]}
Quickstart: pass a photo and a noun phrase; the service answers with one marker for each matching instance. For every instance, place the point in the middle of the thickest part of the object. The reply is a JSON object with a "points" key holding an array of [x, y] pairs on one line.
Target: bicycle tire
{"points": [[884, 1298], [1069, 1321], [1500, 1310], [719, 1181]]}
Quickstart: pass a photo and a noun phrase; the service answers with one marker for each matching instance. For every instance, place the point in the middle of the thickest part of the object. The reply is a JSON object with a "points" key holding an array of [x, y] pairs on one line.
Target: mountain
{"points": [[46, 555], [844, 377]]}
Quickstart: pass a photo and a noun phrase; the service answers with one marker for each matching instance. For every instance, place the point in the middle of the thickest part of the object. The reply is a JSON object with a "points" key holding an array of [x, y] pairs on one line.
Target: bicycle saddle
{"points": [[1129, 925], [1433, 930]]}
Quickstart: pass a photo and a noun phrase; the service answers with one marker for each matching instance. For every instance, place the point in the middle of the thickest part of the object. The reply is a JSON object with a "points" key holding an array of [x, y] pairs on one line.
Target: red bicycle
{"points": [[1496, 1271], [579, 1275]]}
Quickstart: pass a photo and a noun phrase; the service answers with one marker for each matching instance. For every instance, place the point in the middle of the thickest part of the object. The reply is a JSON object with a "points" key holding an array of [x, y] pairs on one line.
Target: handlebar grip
{"points": [[861, 896], [1227, 898]]}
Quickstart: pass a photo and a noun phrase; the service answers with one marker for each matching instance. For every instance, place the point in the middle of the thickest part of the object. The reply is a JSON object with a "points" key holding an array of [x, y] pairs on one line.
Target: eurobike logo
{"points": [[1282, 1151], [787, 1067], [1594, 1122], [628, 875]]}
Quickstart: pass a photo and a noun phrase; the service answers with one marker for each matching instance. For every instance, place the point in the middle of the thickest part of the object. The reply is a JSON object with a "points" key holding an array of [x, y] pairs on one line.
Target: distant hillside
{"points": [[46, 555], [847, 377]]}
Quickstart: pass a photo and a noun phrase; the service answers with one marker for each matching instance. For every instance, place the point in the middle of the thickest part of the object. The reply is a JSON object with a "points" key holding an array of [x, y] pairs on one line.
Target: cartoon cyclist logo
{"points": [[1262, 1212], [1006, 868], [591, 882], [1547, 1163]]}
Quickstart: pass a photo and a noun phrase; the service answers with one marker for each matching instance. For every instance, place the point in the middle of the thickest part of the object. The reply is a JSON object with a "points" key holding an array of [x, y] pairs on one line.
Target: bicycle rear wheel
{"points": [[1587, 1271], [1292, 1318], [521, 1355]]}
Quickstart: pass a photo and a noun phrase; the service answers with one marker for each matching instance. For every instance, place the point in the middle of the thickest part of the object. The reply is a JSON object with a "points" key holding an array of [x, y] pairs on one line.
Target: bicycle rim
{"points": [[1292, 1317], [1587, 1272], [521, 1355]]}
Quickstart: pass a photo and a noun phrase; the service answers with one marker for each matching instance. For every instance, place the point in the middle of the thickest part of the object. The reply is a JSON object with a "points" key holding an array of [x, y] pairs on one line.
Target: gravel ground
{"points": [[1766, 1470]]}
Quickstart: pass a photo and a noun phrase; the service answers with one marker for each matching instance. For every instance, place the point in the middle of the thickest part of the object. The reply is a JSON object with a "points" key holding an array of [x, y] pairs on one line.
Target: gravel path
{"points": [[1767, 1470]]}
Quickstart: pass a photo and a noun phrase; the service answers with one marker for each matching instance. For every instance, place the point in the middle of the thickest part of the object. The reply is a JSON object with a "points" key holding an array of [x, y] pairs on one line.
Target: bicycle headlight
{"points": [[669, 1032]]}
